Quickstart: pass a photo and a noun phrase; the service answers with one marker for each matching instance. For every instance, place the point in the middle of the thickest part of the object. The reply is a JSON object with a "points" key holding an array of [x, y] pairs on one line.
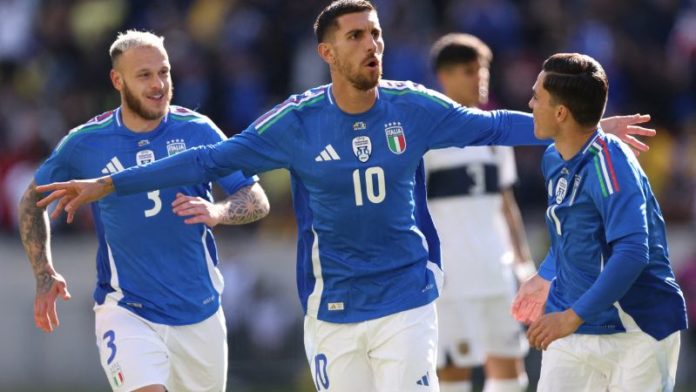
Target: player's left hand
{"points": [[552, 326], [198, 209], [626, 129]]}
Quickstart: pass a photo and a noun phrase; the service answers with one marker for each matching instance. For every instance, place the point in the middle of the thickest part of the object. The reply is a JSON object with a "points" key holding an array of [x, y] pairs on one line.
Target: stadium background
{"points": [[234, 59]]}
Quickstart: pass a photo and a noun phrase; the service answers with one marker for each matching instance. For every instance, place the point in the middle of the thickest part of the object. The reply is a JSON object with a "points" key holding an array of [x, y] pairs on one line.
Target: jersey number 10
{"points": [[373, 176]]}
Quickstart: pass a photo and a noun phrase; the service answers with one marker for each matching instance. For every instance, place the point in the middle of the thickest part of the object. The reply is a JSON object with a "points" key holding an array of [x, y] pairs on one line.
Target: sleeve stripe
{"points": [[266, 120], [610, 164]]}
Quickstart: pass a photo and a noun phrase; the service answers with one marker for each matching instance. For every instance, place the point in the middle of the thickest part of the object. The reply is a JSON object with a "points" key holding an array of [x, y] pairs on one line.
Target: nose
{"points": [[531, 104]]}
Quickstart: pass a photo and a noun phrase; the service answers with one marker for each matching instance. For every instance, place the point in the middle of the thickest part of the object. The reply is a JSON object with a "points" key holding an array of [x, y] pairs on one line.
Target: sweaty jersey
{"points": [[596, 200], [148, 259], [465, 201], [366, 244]]}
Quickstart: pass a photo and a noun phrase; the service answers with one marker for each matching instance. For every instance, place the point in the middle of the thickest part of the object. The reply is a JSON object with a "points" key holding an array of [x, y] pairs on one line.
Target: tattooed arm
{"points": [[247, 205], [35, 232]]}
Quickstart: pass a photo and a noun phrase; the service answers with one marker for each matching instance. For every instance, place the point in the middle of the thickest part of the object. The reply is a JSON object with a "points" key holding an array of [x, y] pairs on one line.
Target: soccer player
{"points": [[614, 309], [159, 324], [368, 266], [482, 236]]}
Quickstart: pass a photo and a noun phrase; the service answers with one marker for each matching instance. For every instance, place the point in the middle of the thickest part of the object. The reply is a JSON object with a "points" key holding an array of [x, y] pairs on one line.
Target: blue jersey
{"points": [[366, 244], [148, 259], [597, 202]]}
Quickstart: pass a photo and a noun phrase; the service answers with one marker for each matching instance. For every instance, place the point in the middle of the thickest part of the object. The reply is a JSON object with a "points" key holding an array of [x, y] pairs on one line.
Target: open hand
{"points": [[73, 194], [626, 129], [530, 300], [199, 209]]}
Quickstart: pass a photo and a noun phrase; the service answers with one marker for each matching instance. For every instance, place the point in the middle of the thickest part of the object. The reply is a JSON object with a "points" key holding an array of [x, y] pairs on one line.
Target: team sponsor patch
{"points": [[396, 140], [362, 148], [359, 126], [561, 189], [145, 156], [175, 146]]}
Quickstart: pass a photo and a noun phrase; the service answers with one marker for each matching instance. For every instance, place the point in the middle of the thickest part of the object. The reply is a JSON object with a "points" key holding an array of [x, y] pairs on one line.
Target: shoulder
{"points": [[180, 114], [97, 124], [288, 111], [614, 166], [414, 93]]}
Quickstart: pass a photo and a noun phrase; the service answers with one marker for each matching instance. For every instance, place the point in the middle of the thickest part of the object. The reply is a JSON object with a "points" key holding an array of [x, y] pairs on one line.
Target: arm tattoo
{"points": [[247, 205], [34, 230]]}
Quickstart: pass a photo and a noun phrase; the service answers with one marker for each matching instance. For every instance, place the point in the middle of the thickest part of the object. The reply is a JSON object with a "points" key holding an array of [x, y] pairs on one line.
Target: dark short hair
{"points": [[459, 48], [578, 82], [326, 20]]}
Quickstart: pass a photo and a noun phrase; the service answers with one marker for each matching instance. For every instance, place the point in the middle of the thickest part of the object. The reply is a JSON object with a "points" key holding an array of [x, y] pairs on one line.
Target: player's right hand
{"points": [[72, 194], [48, 288], [530, 300]]}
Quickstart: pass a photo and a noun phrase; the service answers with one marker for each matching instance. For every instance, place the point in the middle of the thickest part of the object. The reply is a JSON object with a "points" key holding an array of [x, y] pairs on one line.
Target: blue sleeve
{"points": [[618, 195], [249, 152], [57, 167], [547, 268], [235, 181], [629, 256], [463, 126]]}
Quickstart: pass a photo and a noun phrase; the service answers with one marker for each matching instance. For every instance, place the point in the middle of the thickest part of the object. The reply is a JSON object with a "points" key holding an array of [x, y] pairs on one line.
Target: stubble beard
{"points": [[136, 105], [358, 80]]}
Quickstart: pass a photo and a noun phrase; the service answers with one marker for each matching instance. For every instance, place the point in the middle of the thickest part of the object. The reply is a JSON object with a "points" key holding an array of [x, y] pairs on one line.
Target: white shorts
{"points": [[473, 328], [395, 353], [626, 362], [135, 352]]}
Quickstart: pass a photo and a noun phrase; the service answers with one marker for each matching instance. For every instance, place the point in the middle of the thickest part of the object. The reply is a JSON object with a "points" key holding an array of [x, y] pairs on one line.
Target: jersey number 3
{"points": [[375, 189], [157, 207]]}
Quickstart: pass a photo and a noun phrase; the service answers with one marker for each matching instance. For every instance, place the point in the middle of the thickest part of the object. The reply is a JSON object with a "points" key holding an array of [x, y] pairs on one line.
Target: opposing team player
{"points": [[482, 236]]}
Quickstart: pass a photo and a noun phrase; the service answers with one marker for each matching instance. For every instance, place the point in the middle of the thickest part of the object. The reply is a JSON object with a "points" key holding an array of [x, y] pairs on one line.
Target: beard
{"points": [[358, 80], [135, 104]]}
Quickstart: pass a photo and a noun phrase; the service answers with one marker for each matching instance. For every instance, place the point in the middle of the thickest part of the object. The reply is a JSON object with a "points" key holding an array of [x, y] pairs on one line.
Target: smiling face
{"points": [[142, 76], [544, 110], [354, 51]]}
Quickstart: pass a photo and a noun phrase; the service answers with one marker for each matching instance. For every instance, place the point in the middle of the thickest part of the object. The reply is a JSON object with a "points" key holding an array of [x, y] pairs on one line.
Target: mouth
{"points": [[156, 97], [371, 63]]}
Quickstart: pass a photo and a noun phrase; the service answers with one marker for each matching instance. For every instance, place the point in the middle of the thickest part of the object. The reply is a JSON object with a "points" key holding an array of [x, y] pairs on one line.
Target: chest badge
{"points": [[174, 146], [396, 140], [362, 148], [145, 156], [561, 190]]}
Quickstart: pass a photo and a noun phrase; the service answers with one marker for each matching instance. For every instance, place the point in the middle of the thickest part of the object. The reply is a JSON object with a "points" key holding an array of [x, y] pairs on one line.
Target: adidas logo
{"points": [[327, 154], [114, 166], [424, 381]]}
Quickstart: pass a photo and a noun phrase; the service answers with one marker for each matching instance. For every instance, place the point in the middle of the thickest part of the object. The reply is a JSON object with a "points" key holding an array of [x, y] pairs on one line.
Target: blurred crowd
{"points": [[233, 59]]}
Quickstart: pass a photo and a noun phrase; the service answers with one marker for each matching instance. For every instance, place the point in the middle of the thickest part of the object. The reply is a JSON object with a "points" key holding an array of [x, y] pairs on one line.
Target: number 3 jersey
{"points": [[148, 259], [366, 244], [466, 203]]}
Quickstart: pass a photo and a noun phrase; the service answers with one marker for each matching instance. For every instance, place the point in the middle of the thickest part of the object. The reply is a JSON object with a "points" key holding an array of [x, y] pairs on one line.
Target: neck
{"points": [[350, 99], [453, 94], [136, 123], [570, 140]]}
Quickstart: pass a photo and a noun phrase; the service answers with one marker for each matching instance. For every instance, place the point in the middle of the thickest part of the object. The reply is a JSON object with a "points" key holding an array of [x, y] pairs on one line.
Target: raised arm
{"points": [[34, 230], [247, 205]]}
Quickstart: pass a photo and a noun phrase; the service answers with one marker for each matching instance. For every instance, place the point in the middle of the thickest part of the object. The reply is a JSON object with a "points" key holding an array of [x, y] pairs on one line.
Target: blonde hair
{"points": [[134, 39]]}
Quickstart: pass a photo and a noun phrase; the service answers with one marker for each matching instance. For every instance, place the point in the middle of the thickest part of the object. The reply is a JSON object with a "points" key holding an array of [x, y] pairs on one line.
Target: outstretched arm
{"points": [[247, 205], [34, 230]]}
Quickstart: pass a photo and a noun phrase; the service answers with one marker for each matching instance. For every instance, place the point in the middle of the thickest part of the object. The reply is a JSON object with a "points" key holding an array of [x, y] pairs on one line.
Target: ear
{"points": [[116, 79], [562, 113], [326, 52]]}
